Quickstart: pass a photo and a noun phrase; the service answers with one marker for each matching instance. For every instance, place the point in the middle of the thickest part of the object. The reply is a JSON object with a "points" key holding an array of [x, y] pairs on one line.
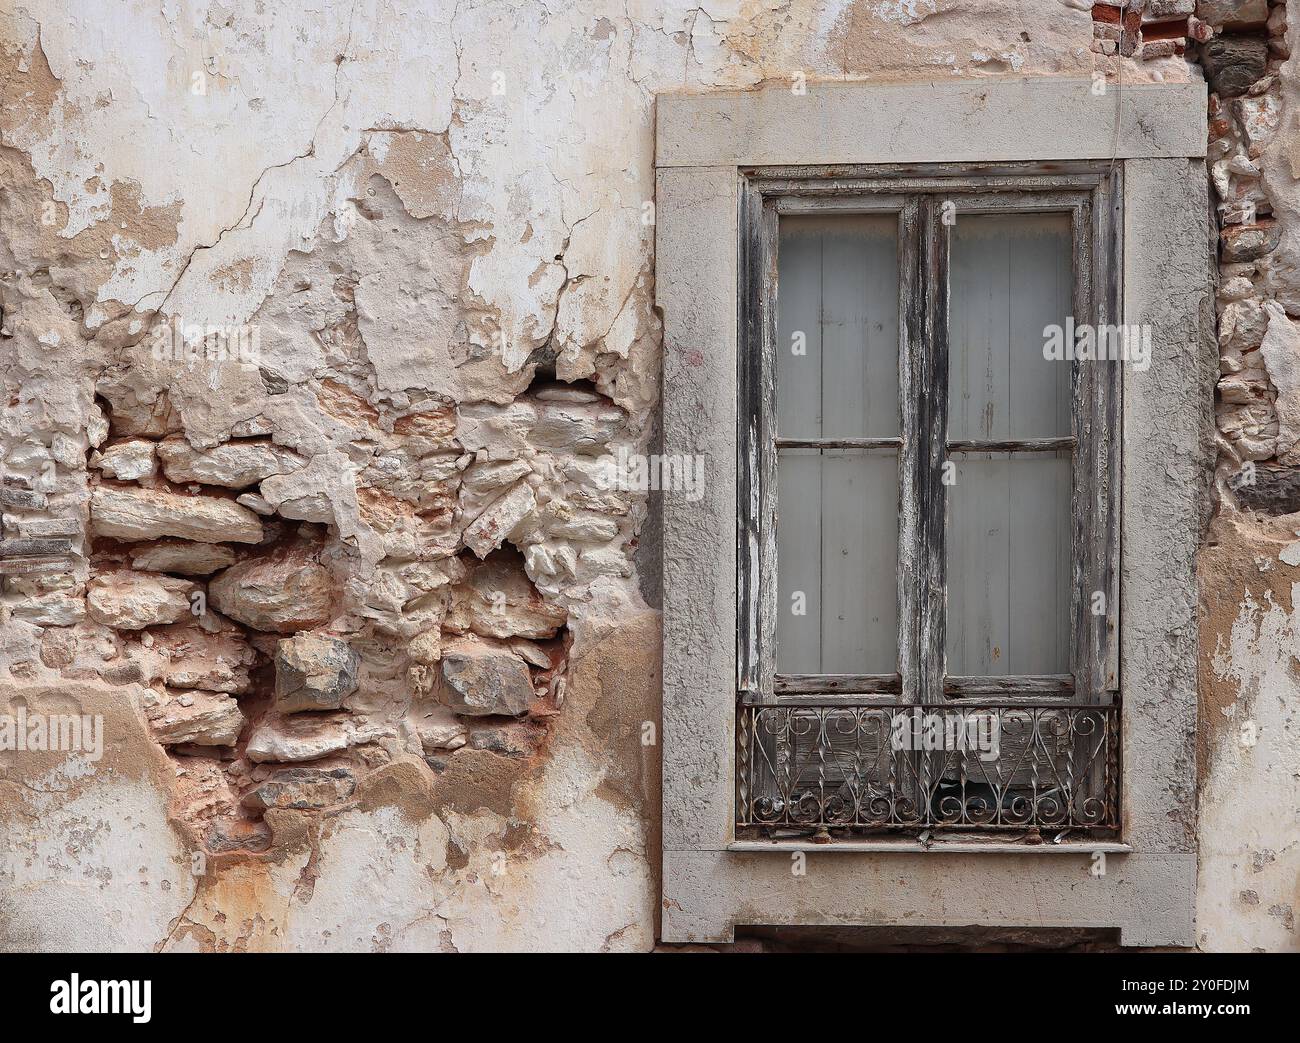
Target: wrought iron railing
{"points": [[907, 768]]}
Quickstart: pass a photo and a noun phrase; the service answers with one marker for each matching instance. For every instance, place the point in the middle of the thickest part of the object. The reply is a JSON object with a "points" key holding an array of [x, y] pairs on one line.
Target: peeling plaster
{"points": [[435, 214]]}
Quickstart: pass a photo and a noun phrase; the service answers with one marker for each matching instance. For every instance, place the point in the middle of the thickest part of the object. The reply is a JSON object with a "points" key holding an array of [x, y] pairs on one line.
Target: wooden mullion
{"points": [[911, 323], [767, 250], [750, 441], [1109, 246], [1082, 428], [930, 397], [1093, 420], [756, 494], [1095, 423]]}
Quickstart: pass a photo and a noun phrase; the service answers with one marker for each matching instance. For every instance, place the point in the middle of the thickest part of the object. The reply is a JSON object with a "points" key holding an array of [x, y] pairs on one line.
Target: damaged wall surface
{"points": [[319, 330]]}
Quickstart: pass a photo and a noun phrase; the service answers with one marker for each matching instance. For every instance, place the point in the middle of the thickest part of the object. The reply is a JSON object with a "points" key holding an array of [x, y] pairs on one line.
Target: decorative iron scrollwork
{"points": [[967, 766]]}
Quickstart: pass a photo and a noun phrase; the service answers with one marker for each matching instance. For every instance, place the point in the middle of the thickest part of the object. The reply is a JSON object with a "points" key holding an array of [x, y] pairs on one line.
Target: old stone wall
{"points": [[319, 330], [1248, 750]]}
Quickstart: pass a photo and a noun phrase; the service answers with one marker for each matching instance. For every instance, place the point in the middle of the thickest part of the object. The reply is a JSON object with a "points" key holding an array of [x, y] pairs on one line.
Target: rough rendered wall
{"points": [[318, 323], [1249, 754]]}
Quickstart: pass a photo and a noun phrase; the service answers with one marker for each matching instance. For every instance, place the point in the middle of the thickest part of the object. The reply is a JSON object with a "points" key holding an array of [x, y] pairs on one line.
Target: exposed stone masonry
{"points": [[236, 621], [1256, 335]]}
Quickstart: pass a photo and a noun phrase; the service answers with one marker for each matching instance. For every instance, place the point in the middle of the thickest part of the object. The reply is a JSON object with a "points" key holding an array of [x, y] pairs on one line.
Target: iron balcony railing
{"points": [[907, 768]]}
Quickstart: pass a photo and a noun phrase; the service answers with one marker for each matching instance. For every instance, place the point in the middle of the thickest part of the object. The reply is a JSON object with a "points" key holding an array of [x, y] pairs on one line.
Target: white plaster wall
{"points": [[484, 171]]}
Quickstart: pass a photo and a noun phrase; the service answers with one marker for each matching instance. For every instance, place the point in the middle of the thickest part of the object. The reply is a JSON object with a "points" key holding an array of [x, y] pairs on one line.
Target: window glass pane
{"points": [[837, 557], [1009, 532], [1011, 276], [837, 330]]}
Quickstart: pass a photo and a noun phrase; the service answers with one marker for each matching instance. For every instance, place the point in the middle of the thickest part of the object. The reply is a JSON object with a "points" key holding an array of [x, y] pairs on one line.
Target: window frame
{"points": [[1089, 193], [1157, 134]]}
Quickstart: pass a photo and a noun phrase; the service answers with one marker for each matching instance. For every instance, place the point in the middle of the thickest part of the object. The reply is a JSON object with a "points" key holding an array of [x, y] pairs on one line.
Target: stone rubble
{"points": [[127, 461], [498, 520], [197, 717], [440, 730], [1256, 409], [279, 593], [135, 600], [234, 465], [498, 601], [313, 672], [147, 514], [485, 679], [210, 653], [302, 789], [189, 559], [301, 737]]}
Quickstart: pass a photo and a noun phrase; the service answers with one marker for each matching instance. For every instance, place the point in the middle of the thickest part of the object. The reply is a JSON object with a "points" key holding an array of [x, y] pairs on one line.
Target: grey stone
{"points": [[210, 653], [255, 503], [489, 530], [978, 119], [581, 428], [1281, 353], [510, 740], [532, 654], [1273, 490], [484, 679], [237, 834], [494, 474], [583, 527], [1233, 63], [1249, 242], [440, 729], [498, 600], [123, 673], [55, 609], [1258, 117], [567, 394], [302, 789], [1233, 14], [314, 672]]}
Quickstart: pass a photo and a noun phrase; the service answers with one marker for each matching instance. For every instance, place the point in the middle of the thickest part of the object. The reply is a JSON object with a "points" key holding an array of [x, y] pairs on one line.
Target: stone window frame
{"points": [[705, 145]]}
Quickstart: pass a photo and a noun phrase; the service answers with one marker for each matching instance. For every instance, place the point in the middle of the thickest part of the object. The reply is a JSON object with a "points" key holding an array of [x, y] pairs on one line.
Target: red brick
{"points": [[1176, 29]]}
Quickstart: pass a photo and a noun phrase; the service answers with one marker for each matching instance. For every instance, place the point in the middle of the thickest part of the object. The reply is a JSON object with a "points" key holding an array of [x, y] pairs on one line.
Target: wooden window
{"points": [[822, 764], [928, 505]]}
